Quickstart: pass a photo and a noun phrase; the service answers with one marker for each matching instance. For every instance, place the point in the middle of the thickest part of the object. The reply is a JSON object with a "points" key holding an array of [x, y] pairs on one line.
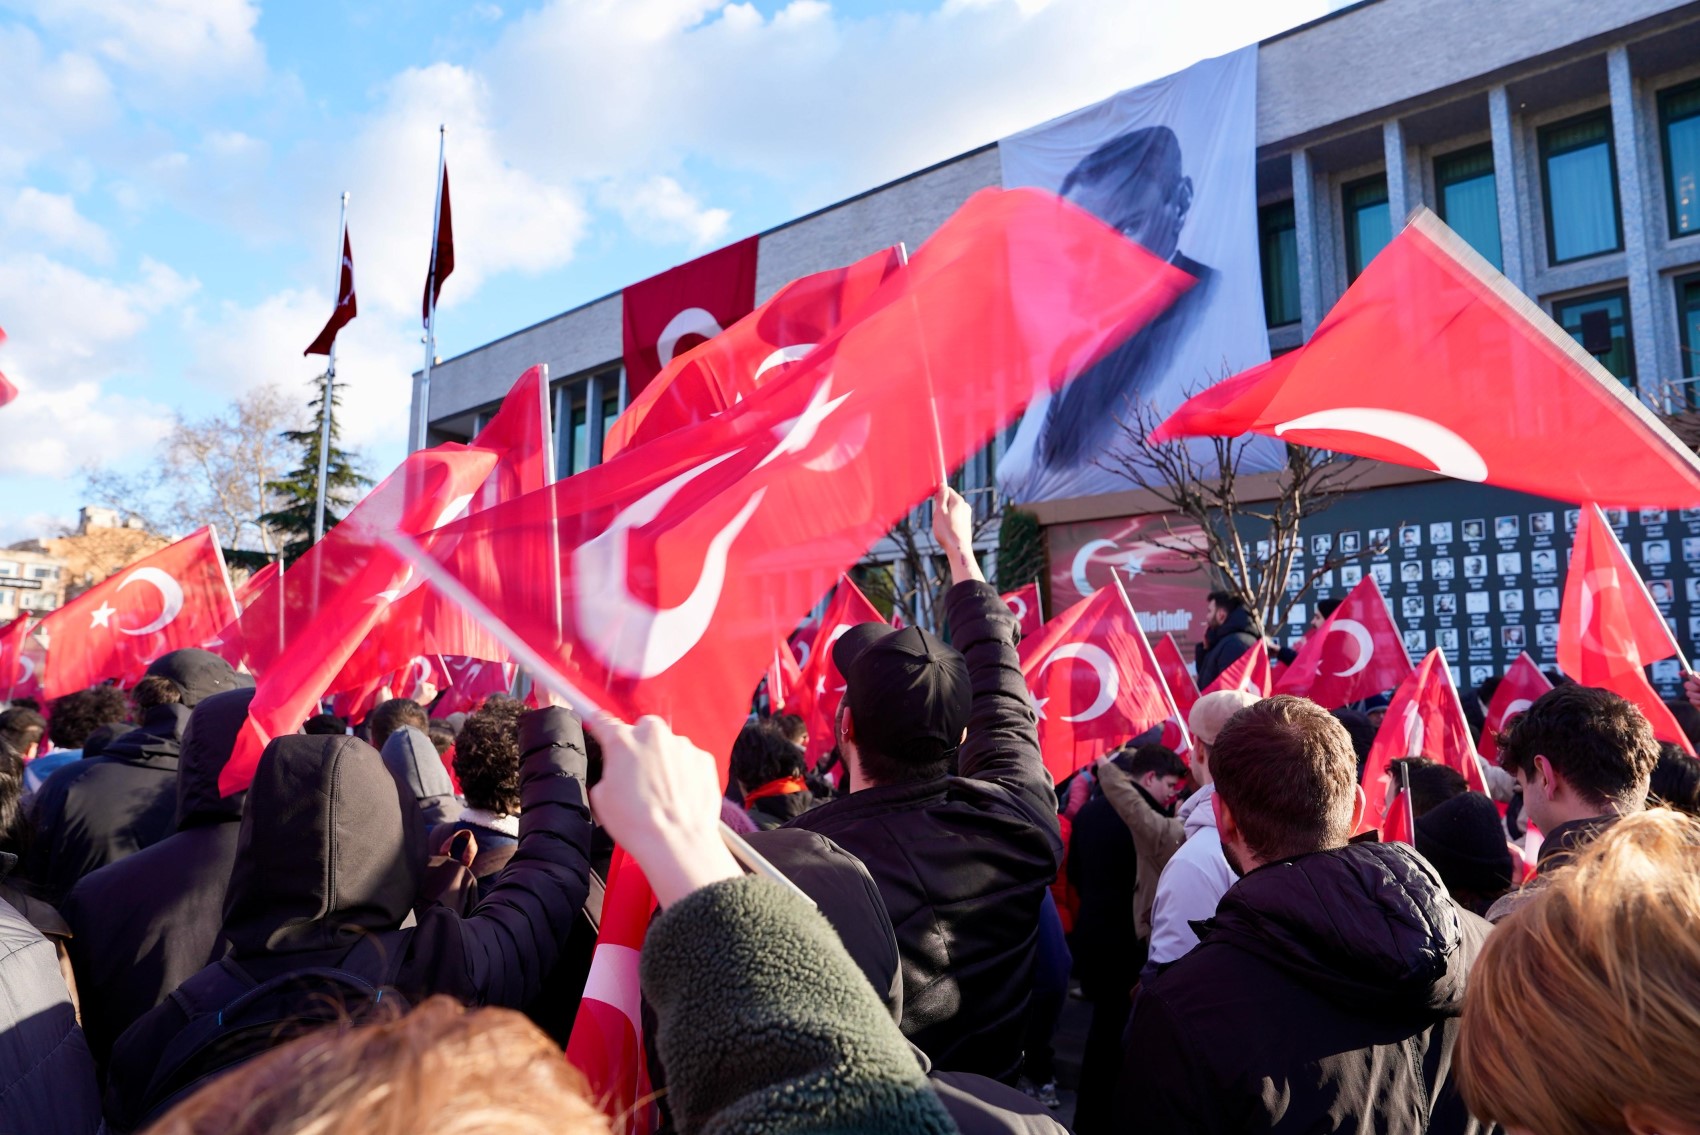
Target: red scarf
{"points": [[782, 787]]}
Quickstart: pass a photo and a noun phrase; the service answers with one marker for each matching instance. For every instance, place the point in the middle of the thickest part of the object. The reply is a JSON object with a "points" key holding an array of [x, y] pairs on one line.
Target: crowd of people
{"points": [[392, 928]]}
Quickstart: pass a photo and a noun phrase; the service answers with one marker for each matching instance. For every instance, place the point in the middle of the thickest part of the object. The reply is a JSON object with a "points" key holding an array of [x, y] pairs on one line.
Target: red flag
{"points": [[519, 433], [1400, 824], [716, 374], [1093, 680], [1182, 685], [7, 390], [442, 253], [332, 596], [31, 660], [1609, 628], [1471, 379], [668, 314], [1517, 691], [1248, 673], [784, 679], [1023, 603], [1355, 654], [346, 307], [1426, 719], [471, 680], [255, 584], [606, 1042], [12, 638], [820, 687], [684, 560], [175, 598]]}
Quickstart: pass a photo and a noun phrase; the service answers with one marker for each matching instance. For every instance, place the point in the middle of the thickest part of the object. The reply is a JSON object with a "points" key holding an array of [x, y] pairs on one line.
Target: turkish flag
{"points": [[1609, 627], [1094, 681], [1432, 359], [325, 604], [7, 390], [1400, 823], [256, 583], [1355, 654], [470, 681], [519, 433], [12, 639], [784, 679], [1023, 603], [177, 597], [716, 374], [1517, 691], [346, 307], [1183, 687], [1426, 719], [30, 663], [442, 253], [684, 560], [820, 687], [666, 315], [1248, 673]]}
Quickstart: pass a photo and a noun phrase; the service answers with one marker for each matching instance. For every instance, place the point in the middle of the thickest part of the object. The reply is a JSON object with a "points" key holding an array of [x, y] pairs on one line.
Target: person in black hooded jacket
{"points": [[331, 852], [1326, 992], [142, 926], [1230, 630]]}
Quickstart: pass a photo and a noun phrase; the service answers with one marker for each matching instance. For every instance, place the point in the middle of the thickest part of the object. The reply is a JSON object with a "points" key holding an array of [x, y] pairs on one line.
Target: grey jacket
{"points": [[47, 1084]]}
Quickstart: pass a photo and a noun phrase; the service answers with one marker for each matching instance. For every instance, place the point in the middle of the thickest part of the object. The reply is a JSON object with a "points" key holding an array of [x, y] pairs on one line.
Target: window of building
{"points": [[1278, 236], [8, 570], [8, 597], [1369, 221], [1600, 322], [1468, 200], [1579, 176], [1688, 323], [578, 434], [1679, 122], [44, 572]]}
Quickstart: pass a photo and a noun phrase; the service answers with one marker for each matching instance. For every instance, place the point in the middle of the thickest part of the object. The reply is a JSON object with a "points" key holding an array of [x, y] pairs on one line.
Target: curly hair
{"points": [[77, 715], [487, 755]]}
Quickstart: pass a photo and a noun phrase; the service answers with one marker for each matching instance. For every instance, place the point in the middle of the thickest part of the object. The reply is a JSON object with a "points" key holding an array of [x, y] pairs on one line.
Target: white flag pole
{"points": [[329, 387], [419, 436]]}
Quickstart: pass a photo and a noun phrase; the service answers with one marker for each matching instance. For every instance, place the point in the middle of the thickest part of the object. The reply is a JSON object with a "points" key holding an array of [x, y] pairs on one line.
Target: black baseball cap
{"points": [[907, 689]]}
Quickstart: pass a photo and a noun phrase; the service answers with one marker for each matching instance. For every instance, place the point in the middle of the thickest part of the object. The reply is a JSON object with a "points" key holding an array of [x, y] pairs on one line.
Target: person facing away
{"points": [[143, 925], [768, 770], [1597, 974], [410, 756], [1144, 797], [80, 724], [1325, 992], [487, 760], [1230, 629], [391, 715], [329, 863], [1582, 757], [951, 809], [98, 811]]}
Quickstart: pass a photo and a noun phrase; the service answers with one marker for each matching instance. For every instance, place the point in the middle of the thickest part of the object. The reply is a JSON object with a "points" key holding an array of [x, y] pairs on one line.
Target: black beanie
{"points": [[1465, 840]]}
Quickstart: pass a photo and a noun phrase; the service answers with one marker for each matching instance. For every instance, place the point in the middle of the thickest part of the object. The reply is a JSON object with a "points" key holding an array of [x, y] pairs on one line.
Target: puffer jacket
{"points": [[1323, 996], [1223, 645]]}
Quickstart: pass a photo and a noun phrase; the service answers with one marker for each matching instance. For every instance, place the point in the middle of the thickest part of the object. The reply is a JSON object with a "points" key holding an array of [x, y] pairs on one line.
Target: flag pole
{"points": [[330, 385], [927, 370], [431, 304], [549, 474], [1149, 657]]}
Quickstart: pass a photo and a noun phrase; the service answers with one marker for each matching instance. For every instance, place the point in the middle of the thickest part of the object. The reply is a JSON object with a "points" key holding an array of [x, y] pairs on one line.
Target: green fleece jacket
{"points": [[766, 1025]]}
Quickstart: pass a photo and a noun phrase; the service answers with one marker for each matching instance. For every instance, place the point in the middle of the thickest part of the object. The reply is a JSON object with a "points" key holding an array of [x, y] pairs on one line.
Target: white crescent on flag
{"points": [[1102, 664], [170, 593], [1366, 645]]}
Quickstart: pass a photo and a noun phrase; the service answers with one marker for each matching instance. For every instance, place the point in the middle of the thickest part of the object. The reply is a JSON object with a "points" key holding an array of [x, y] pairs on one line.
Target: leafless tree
{"points": [[919, 576], [210, 470], [1248, 546]]}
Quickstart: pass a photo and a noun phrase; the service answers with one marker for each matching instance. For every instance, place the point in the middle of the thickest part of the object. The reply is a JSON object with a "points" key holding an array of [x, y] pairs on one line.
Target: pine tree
{"points": [[298, 492]]}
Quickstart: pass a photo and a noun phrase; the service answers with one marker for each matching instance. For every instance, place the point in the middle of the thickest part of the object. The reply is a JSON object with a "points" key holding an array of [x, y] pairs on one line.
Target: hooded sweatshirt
{"points": [[1196, 878], [99, 810], [331, 851], [410, 757], [1323, 996], [144, 924]]}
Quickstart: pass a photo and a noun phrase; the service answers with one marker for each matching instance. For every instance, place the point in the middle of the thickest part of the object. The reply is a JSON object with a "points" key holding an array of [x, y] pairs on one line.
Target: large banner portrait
{"points": [[1172, 165]]}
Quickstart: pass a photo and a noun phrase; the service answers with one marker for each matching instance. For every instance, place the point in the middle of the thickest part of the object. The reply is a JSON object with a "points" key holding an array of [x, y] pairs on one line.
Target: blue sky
{"points": [[170, 169]]}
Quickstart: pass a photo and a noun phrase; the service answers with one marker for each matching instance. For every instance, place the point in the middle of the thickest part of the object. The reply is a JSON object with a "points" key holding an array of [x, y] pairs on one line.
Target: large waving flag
{"points": [[1433, 359], [1426, 719], [1609, 627], [1355, 654], [668, 314], [684, 560], [728, 368], [178, 597], [1517, 691], [819, 688]]}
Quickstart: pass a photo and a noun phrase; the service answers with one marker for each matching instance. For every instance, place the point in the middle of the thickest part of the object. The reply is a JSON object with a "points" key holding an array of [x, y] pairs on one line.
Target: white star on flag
{"points": [[102, 616]]}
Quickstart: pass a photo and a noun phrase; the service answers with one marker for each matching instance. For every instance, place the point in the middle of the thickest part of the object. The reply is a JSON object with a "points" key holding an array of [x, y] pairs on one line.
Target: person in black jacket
{"points": [[962, 861], [768, 771], [1325, 994], [1230, 630], [331, 853], [143, 925]]}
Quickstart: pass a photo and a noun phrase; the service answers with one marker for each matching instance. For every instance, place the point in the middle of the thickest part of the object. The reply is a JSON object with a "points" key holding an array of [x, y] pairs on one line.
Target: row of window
{"points": [[1579, 199], [9, 570]]}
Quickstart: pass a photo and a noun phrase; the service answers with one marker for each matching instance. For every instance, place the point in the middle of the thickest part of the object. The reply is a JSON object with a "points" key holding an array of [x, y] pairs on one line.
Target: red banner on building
{"points": [[668, 314]]}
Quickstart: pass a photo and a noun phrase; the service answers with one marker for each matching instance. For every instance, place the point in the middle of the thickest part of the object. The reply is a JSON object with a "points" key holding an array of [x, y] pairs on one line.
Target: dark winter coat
{"points": [[142, 925], [1103, 868], [47, 1084], [1223, 644], [99, 810], [963, 862], [331, 851], [770, 812], [1323, 996]]}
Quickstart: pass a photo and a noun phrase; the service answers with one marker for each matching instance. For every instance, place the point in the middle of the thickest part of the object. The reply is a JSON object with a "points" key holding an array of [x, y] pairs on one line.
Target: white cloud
{"points": [[50, 100], [53, 217], [660, 209], [172, 45], [53, 432]]}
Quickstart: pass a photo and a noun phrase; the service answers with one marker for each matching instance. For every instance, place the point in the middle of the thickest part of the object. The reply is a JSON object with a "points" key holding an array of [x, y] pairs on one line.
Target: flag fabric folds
{"points": [[1609, 628], [13, 636], [666, 315], [1400, 824], [1517, 691], [1248, 673], [1355, 654], [346, 306], [819, 686], [177, 597], [1023, 603], [684, 560], [1433, 359], [1426, 719], [442, 253], [1183, 687]]}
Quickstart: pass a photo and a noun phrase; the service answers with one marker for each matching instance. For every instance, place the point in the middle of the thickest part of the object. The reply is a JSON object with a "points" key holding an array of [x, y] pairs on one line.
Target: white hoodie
{"points": [[1192, 882]]}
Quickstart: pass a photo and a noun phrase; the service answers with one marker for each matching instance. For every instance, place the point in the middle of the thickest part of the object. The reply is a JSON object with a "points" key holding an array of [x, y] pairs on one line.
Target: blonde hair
{"points": [[1587, 999], [441, 1069]]}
